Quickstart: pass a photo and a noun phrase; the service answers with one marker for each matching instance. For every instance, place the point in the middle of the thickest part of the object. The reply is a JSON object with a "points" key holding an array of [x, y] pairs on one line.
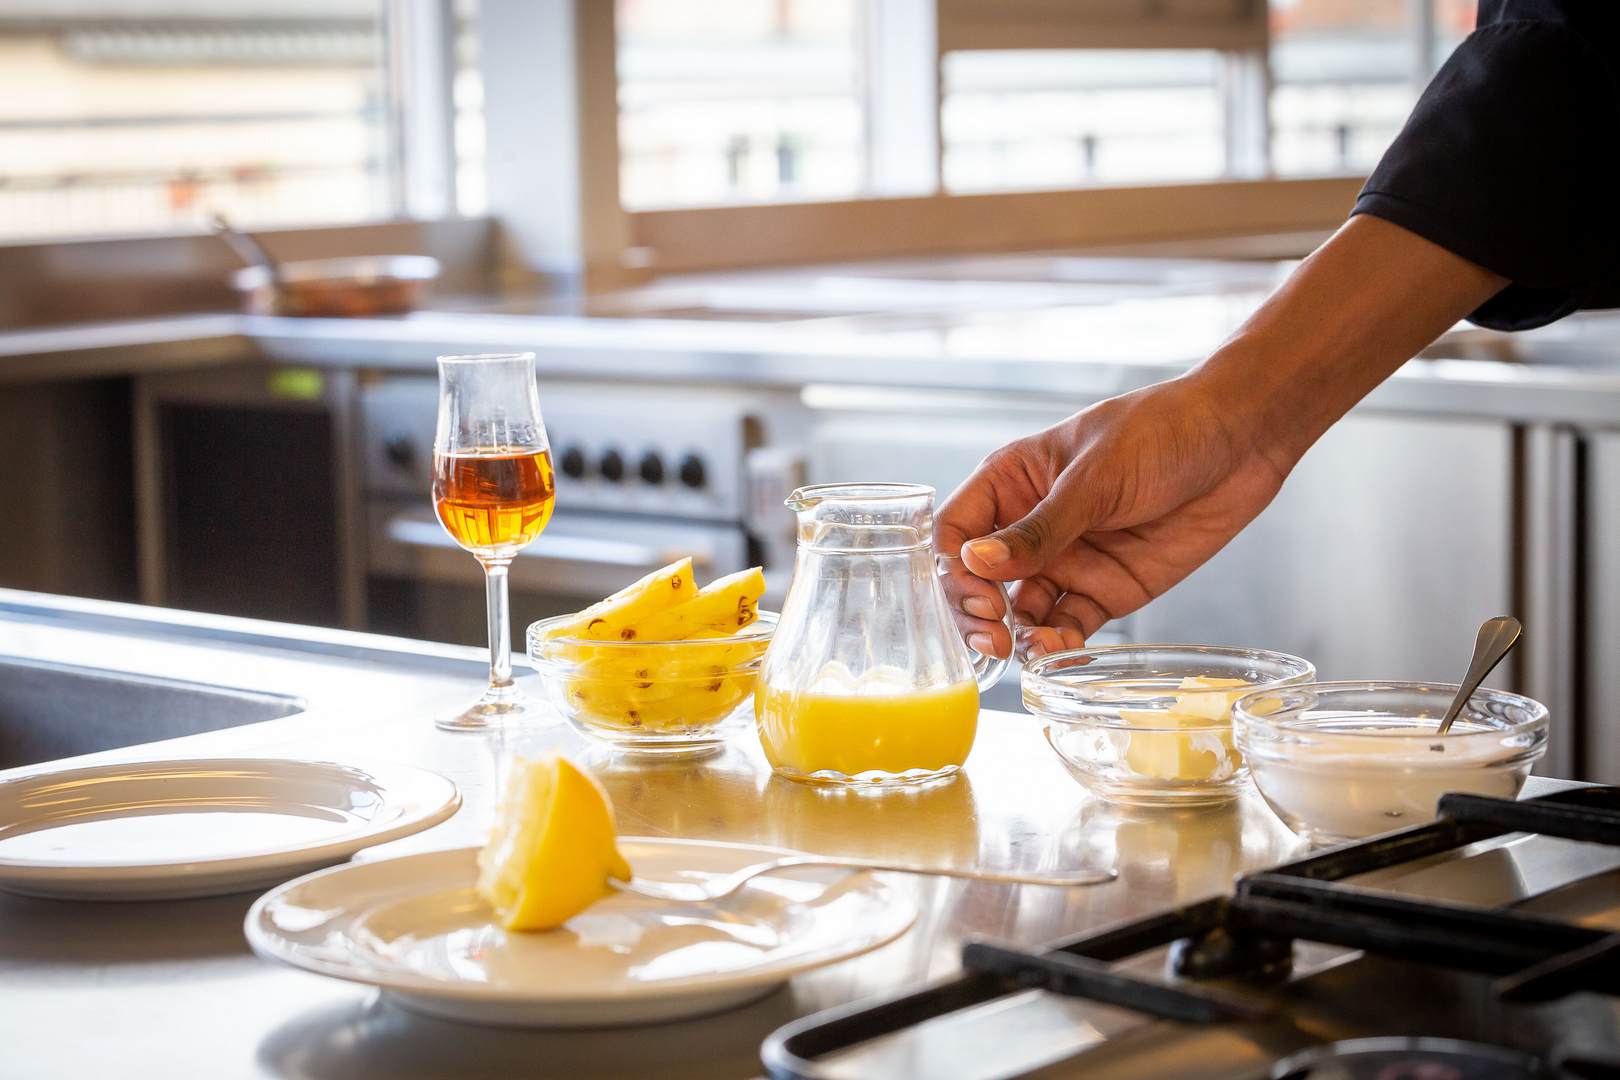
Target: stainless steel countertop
{"points": [[170, 988], [166, 989], [1055, 344]]}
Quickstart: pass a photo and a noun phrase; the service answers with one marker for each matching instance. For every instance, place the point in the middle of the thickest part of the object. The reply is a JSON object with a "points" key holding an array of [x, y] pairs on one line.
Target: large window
{"points": [[146, 115], [467, 105], [738, 101], [121, 116], [1344, 75], [1033, 119]]}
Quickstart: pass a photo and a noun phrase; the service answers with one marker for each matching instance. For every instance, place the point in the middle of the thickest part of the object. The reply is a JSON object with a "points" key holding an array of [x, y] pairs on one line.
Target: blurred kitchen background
{"points": [[753, 242]]}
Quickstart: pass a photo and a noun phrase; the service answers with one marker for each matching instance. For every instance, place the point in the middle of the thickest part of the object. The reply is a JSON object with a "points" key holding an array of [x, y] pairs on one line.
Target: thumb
{"points": [[1023, 548]]}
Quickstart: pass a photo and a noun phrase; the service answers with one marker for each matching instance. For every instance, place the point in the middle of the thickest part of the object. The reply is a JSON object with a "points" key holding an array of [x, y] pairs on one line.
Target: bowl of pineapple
{"points": [[661, 666]]}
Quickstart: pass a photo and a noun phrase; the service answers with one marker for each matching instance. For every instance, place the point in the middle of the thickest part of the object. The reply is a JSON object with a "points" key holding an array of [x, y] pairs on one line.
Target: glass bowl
{"points": [[1342, 760], [1133, 729], [655, 697]]}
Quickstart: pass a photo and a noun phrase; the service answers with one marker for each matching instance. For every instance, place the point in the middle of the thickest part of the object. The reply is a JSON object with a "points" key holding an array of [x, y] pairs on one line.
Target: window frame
{"points": [[926, 219]]}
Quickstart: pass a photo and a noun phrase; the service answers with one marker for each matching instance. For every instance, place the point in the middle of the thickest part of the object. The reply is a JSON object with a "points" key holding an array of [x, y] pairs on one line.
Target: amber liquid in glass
{"points": [[494, 502]]}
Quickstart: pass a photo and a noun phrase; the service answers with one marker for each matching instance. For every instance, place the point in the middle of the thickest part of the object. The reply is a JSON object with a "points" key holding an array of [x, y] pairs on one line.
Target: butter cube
{"points": [[1197, 754]]}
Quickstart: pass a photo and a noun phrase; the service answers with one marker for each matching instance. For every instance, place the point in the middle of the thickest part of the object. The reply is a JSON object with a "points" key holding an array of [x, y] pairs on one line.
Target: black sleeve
{"points": [[1509, 160]]}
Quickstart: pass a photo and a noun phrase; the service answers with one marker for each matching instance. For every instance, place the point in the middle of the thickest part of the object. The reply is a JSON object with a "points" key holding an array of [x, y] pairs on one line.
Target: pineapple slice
{"points": [[648, 675], [723, 606], [613, 618], [553, 847]]}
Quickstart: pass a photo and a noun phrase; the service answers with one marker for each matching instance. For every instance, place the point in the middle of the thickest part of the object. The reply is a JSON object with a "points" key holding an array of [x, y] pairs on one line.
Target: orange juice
{"points": [[869, 726]]}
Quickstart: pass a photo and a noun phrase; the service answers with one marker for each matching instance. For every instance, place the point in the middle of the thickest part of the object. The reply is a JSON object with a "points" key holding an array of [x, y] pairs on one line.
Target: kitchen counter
{"points": [[169, 988], [1078, 340]]}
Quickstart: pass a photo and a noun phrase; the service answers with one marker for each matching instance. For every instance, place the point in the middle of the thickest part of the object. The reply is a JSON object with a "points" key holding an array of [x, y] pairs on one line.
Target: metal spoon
{"points": [[247, 247], [1497, 636], [718, 889]]}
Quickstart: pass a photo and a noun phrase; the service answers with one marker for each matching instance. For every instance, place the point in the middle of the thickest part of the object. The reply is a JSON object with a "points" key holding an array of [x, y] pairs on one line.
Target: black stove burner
{"points": [[1409, 1059], [1250, 936]]}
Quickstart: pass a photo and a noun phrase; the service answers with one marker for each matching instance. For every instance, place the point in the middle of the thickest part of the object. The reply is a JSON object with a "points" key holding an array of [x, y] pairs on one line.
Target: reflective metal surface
{"points": [[105, 987], [50, 711], [1070, 351], [131, 989]]}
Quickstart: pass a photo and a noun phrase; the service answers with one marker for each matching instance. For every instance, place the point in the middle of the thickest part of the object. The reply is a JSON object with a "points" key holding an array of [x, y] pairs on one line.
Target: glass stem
{"points": [[500, 623]]}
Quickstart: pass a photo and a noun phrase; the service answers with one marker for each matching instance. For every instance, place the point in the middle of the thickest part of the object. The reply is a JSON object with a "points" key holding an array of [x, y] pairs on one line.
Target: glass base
{"points": [[874, 780], [499, 706]]}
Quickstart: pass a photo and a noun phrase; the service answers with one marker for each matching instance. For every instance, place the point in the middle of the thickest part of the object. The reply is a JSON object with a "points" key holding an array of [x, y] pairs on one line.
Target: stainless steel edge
{"points": [[1548, 586], [674, 351]]}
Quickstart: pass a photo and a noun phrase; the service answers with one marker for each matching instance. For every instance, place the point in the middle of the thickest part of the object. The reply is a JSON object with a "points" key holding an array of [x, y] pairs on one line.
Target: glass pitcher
{"points": [[866, 680]]}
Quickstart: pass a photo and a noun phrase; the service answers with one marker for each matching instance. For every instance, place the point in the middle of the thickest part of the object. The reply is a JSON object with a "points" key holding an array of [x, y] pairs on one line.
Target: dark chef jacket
{"points": [[1512, 158]]}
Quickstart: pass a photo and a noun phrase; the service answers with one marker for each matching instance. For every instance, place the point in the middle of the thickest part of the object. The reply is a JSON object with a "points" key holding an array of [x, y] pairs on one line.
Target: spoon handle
{"points": [[246, 246], [1497, 636]]}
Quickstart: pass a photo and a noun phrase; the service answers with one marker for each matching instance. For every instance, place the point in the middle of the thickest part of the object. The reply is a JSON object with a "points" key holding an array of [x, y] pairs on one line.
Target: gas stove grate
{"points": [[1251, 934]]}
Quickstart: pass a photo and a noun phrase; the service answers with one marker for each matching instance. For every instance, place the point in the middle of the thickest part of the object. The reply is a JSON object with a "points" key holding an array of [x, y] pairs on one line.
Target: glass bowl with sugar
{"points": [[1343, 760]]}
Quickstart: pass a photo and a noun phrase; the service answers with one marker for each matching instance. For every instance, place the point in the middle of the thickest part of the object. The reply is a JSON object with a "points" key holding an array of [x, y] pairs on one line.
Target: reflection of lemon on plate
{"points": [[553, 847]]}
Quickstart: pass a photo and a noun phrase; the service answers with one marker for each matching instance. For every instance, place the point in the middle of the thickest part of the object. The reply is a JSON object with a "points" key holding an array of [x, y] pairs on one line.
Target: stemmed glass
{"points": [[493, 490]]}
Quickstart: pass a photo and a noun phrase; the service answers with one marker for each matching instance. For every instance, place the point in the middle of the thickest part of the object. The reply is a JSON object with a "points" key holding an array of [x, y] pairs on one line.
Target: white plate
{"points": [[415, 927], [151, 830]]}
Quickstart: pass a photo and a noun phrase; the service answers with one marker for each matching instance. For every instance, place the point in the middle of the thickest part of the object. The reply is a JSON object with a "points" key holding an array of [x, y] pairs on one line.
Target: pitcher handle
{"points": [[988, 670]]}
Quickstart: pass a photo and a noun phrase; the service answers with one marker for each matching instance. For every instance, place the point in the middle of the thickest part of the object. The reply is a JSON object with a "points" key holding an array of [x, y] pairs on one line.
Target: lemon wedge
{"points": [[553, 847]]}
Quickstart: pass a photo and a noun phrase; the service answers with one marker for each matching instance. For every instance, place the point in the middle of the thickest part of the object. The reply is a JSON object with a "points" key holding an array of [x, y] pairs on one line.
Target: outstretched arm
{"points": [[1099, 514]]}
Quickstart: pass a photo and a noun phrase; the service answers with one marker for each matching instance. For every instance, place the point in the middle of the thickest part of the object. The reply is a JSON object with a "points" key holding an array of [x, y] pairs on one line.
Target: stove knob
{"points": [[692, 472], [652, 467], [572, 463], [400, 451], [611, 466]]}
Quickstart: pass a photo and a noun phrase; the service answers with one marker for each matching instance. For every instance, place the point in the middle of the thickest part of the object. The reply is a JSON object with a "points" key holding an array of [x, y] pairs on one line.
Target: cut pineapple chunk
{"points": [[724, 606], [650, 675], [608, 620], [553, 847]]}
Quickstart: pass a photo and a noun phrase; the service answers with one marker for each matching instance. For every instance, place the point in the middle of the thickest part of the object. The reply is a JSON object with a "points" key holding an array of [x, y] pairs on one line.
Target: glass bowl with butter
{"points": [[1151, 725], [1342, 760]]}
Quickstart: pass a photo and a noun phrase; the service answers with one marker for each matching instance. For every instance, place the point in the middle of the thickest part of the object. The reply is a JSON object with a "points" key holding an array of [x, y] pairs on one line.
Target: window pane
{"points": [[472, 189], [1342, 73], [146, 115], [1034, 119], [738, 101], [1453, 21]]}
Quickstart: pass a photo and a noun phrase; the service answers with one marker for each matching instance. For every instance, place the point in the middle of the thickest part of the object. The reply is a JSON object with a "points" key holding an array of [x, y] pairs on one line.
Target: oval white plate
{"points": [[415, 927], [150, 830]]}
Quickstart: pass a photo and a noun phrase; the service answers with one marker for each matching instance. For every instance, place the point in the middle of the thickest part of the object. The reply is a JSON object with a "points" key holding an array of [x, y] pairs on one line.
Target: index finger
{"points": [[967, 513]]}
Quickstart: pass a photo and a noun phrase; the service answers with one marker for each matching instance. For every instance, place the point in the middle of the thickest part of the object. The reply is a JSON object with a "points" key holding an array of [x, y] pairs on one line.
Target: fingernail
{"points": [[979, 607], [990, 551], [980, 643], [1035, 651]]}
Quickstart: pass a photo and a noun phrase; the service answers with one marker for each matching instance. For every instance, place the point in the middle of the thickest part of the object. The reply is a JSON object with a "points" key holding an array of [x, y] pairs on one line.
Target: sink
{"points": [[50, 710]]}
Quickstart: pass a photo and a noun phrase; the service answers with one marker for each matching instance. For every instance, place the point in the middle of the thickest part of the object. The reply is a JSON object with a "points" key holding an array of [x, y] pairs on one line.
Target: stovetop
{"points": [[1498, 924]]}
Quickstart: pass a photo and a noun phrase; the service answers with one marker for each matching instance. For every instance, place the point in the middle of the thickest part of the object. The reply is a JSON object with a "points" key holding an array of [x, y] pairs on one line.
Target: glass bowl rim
{"points": [[809, 495], [483, 358], [1034, 675], [1242, 718], [761, 629]]}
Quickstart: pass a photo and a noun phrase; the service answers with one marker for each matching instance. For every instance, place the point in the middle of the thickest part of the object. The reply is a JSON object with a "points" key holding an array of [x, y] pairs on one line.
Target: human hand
{"points": [[1098, 514]]}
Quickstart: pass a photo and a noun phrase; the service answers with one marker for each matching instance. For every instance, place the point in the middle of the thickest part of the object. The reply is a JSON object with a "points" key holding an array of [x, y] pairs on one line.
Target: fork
{"points": [[708, 892]]}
